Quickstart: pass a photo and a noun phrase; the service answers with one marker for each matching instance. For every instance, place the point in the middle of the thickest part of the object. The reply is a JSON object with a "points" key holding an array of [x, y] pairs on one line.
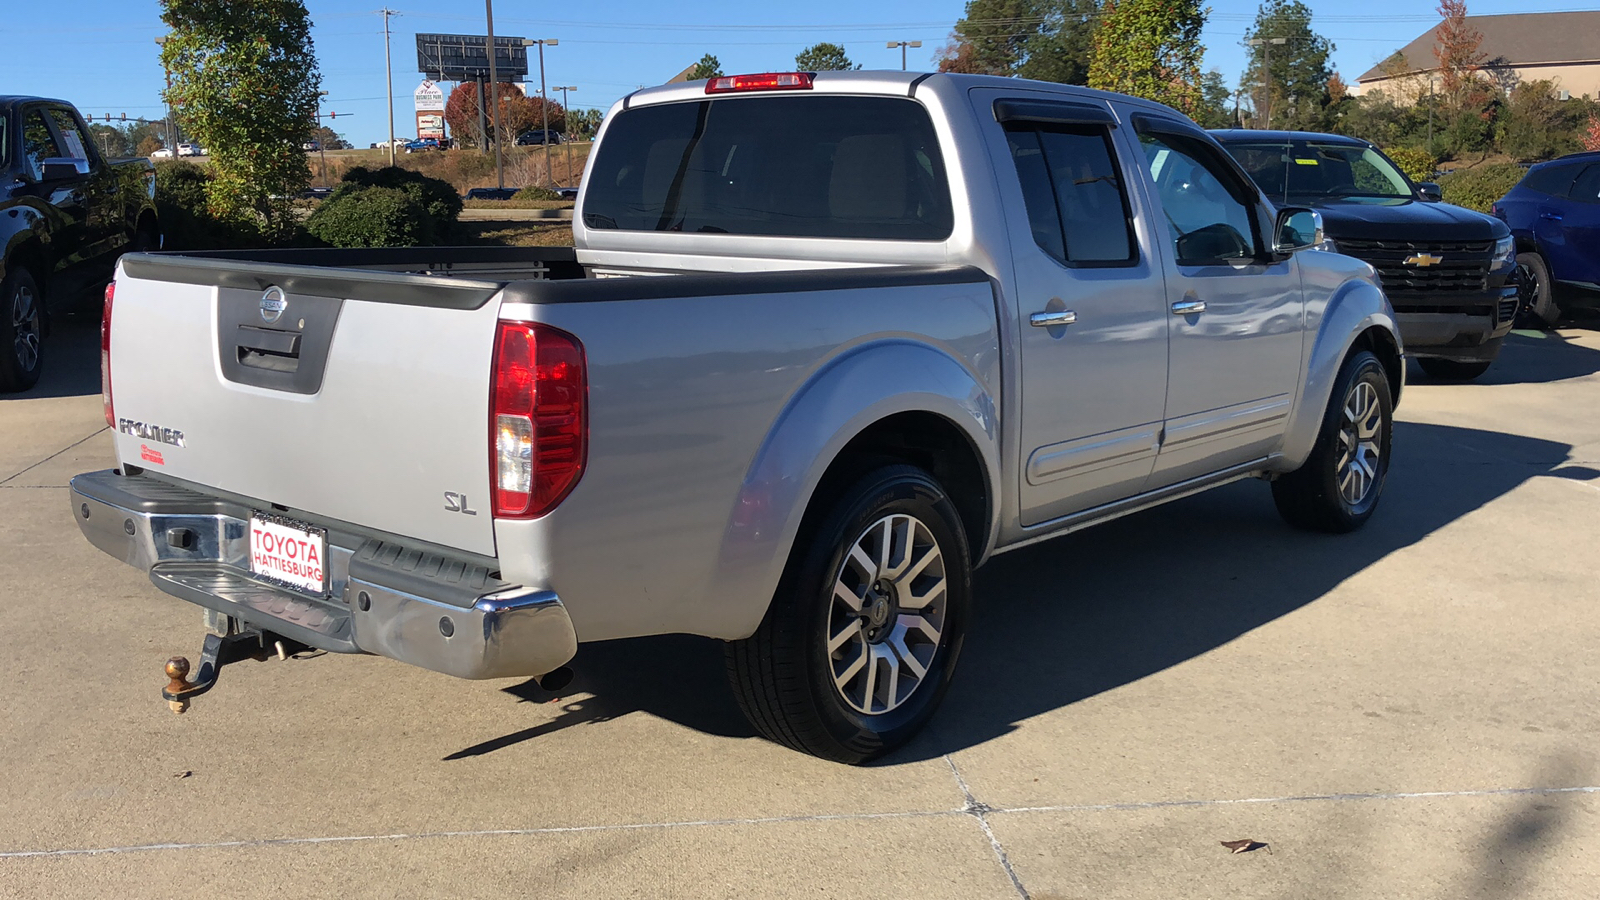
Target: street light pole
{"points": [[322, 148], [567, 111], [544, 100], [903, 45], [1266, 71], [494, 98]]}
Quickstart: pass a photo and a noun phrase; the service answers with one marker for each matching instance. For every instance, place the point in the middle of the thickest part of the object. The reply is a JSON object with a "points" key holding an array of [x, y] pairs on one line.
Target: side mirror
{"points": [[60, 168], [1297, 228], [1429, 191]]}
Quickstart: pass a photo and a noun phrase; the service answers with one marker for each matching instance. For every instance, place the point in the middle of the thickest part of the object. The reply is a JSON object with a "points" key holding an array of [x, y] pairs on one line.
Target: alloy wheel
{"points": [[887, 614], [25, 327], [1359, 450]]}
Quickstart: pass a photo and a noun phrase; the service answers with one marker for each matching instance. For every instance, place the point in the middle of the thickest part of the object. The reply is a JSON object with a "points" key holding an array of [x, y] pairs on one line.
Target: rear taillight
{"points": [[538, 418], [105, 355], [769, 81]]}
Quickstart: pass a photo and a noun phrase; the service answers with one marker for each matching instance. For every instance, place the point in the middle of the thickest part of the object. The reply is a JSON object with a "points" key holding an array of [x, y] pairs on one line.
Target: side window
{"points": [[1208, 221], [71, 135], [1587, 188], [1552, 180], [1077, 207], [38, 144]]}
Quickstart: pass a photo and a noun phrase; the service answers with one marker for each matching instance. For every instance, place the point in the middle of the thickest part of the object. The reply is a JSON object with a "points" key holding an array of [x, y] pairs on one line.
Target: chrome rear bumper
{"points": [[417, 606]]}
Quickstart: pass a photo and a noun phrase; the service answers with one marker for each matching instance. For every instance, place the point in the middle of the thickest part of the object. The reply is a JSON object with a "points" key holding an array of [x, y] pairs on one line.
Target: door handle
{"points": [[1554, 217], [1052, 319], [1188, 307]]}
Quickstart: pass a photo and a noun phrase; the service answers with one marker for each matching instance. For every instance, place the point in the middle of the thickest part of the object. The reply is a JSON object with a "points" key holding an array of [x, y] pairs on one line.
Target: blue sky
{"points": [[101, 54]]}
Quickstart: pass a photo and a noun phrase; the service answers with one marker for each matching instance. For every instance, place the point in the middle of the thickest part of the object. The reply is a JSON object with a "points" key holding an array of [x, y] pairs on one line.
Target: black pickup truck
{"points": [[66, 214], [1449, 272]]}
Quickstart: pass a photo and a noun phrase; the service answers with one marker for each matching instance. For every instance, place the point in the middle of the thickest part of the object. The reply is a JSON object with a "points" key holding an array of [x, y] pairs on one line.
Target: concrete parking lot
{"points": [[1409, 711]]}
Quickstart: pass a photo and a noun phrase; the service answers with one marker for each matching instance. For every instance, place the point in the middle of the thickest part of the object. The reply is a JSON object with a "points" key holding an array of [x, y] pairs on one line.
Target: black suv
{"points": [[1449, 272], [68, 213]]}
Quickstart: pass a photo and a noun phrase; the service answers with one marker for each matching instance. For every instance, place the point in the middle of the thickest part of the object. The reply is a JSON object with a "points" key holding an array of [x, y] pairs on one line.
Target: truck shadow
{"points": [[1068, 619], [1532, 356]]}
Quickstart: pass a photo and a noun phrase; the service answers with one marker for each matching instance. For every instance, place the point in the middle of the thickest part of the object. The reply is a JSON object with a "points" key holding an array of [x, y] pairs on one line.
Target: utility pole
{"points": [[322, 148], [172, 123], [494, 98], [544, 99], [1266, 72], [567, 111], [388, 76], [903, 45]]}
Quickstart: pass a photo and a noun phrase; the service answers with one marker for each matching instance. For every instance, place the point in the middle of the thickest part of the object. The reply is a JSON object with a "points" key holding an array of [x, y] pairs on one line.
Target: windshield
{"points": [[814, 166], [1308, 170]]}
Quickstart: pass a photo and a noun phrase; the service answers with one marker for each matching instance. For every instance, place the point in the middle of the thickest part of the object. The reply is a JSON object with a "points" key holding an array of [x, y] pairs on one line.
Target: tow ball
{"points": [[218, 651]]}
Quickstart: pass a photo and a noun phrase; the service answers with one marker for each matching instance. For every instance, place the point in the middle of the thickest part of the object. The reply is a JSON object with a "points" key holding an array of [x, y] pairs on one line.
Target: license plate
{"points": [[289, 552]]}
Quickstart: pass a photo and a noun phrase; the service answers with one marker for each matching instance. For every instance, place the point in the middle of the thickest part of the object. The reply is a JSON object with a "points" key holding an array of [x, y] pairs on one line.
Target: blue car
{"points": [[1554, 213]]}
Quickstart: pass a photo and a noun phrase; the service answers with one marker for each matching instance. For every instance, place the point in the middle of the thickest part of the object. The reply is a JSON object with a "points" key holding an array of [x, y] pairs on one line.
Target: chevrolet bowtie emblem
{"points": [[1424, 260]]}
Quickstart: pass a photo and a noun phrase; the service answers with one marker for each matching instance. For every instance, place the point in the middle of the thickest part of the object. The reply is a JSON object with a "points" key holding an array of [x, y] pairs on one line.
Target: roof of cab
{"points": [[1226, 135]]}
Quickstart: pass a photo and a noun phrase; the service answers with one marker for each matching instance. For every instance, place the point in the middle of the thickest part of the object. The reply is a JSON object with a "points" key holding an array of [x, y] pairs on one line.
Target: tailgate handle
{"points": [[268, 348]]}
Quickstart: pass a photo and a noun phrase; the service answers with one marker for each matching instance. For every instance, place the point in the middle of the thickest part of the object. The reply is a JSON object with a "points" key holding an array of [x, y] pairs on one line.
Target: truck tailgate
{"points": [[356, 396]]}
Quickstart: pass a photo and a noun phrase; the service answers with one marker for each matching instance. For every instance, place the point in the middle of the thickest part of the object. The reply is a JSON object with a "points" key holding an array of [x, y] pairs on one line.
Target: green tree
{"points": [[1216, 102], [1046, 40], [824, 57], [245, 80], [329, 139], [1288, 82], [1060, 49], [112, 141], [707, 67], [1534, 125], [585, 122], [1150, 49]]}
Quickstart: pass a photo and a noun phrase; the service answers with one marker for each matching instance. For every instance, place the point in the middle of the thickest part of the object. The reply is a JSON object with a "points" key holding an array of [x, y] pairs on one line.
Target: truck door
{"points": [[1235, 313], [1575, 254], [64, 203], [1091, 310], [101, 225]]}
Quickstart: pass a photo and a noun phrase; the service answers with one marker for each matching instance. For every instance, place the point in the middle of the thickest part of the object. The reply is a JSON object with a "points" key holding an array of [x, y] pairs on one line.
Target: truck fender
{"points": [[840, 401], [1355, 307], [20, 225]]}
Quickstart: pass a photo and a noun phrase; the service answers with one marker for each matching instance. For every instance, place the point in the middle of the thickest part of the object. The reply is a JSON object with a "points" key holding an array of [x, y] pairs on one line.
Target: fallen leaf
{"points": [[1246, 845], [184, 774]]}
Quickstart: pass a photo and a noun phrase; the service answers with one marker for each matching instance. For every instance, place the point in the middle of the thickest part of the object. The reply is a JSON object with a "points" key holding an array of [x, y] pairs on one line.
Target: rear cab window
{"points": [[1077, 205], [823, 166]]}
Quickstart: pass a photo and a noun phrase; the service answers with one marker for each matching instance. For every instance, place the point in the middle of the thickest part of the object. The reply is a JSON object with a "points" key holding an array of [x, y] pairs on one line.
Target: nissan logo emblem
{"points": [[273, 303]]}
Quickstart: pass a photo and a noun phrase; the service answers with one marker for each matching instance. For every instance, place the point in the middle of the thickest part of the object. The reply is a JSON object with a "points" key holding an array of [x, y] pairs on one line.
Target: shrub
{"points": [[1479, 187], [536, 193], [186, 219], [1418, 164], [361, 216], [438, 200]]}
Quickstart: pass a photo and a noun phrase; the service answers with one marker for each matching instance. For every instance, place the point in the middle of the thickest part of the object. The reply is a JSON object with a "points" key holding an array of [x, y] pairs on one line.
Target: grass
{"points": [[517, 204], [513, 234]]}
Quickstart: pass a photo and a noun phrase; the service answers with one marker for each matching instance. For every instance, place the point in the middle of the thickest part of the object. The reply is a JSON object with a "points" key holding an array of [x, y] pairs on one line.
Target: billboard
{"points": [[430, 125], [465, 57]]}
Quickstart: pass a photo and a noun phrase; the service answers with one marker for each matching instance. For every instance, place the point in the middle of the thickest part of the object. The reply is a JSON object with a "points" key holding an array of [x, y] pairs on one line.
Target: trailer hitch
{"points": [[218, 651]]}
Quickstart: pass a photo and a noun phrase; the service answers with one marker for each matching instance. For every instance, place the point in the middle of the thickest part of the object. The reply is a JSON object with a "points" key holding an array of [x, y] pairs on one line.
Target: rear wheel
{"points": [[861, 639], [1338, 487], [21, 331], [1454, 369], [1537, 293]]}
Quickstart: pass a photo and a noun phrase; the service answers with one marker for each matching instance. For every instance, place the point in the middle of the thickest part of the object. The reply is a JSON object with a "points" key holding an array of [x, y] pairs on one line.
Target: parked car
{"points": [[68, 214], [538, 137], [1449, 271], [1554, 214], [311, 146], [422, 144], [187, 149], [913, 322], [567, 193], [485, 193], [162, 153]]}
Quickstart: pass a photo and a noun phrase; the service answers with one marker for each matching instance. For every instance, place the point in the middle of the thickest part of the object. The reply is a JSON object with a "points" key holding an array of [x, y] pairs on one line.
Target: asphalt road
{"points": [[1410, 711]]}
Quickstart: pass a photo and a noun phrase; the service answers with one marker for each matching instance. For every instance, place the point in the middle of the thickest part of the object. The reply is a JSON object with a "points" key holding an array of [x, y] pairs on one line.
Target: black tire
{"points": [[784, 675], [1538, 294], [1311, 497], [21, 331], [1454, 369]]}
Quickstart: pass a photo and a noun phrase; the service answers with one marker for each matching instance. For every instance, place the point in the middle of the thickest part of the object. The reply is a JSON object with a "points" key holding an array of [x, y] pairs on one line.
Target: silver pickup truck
{"points": [[826, 344]]}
